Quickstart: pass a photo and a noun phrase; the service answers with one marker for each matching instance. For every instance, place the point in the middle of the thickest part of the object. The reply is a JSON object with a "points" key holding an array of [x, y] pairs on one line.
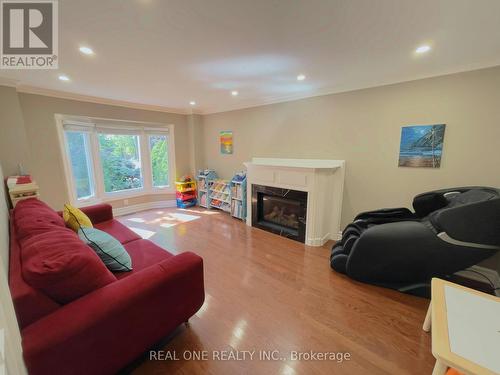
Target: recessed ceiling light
{"points": [[301, 77], [86, 50], [192, 102], [423, 49], [234, 93], [63, 77]]}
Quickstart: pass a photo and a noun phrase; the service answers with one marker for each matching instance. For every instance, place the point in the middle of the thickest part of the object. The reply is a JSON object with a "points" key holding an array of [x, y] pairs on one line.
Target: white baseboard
{"points": [[336, 236], [143, 207], [487, 272], [318, 241]]}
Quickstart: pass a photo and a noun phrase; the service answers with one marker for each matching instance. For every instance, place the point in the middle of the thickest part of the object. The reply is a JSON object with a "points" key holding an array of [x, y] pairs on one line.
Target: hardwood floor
{"points": [[265, 292]]}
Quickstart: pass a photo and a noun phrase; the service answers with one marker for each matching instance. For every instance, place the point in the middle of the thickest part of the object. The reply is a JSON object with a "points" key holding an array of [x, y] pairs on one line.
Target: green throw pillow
{"points": [[109, 249]]}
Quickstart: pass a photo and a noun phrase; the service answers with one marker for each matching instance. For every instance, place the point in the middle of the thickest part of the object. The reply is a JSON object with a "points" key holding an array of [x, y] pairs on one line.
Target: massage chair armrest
{"points": [[390, 214], [474, 223], [403, 246], [407, 251]]}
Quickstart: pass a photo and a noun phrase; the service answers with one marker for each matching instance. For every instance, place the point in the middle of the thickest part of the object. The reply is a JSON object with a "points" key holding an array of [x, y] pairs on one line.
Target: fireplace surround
{"points": [[280, 211], [321, 180]]}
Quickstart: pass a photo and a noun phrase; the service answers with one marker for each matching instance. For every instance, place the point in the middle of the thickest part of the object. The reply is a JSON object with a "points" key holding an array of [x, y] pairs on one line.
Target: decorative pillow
{"points": [[75, 218], [109, 249], [62, 266]]}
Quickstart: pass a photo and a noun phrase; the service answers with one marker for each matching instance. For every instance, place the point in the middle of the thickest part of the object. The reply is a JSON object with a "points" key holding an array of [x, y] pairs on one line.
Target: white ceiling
{"points": [[169, 52]]}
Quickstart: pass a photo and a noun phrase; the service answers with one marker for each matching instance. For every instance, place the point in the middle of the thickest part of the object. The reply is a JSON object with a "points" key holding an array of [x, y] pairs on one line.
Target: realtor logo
{"points": [[29, 34]]}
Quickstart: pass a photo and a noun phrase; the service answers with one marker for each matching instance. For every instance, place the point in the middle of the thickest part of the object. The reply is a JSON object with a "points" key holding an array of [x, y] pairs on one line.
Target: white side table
{"points": [[465, 331], [23, 191]]}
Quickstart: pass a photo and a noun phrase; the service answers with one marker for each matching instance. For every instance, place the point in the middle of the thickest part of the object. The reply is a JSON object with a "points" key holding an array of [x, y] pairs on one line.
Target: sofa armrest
{"points": [[98, 212], [108, 328]]}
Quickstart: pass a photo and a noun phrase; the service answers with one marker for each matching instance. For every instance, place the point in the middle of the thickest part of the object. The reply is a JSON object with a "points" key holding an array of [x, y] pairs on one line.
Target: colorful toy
{"points": [[185, 192]]}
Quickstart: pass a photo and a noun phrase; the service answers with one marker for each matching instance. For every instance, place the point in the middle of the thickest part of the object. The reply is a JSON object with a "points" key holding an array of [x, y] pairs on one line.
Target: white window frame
{"points": [[170, 154], [90, 166], [96, 125]]}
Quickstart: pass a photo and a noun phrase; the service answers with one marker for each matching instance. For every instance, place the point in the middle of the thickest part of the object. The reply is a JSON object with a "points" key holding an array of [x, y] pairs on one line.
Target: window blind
{"points": [[106, 128], [78, 126], [156, 130], [118, 130]]}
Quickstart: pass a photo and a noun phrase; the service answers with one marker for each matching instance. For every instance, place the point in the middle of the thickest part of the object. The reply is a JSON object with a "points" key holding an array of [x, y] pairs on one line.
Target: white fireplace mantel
{"points": [[323, 180], [299, 163]]}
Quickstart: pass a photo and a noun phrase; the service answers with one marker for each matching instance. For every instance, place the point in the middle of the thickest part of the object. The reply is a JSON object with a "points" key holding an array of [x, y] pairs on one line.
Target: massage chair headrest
{"points": [[426, 203]]}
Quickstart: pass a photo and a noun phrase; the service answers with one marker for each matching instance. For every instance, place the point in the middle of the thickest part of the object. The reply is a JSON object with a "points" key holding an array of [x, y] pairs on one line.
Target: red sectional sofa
{"points": [[67, 328]]}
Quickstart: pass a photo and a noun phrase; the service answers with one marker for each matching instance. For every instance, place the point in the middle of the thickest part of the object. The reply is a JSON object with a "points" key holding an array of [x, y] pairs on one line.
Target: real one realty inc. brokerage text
{"points": [[247, 355]]}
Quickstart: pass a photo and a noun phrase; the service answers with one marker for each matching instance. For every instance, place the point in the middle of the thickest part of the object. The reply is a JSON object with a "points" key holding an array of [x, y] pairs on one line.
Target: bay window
{"points": [[112, 160]]}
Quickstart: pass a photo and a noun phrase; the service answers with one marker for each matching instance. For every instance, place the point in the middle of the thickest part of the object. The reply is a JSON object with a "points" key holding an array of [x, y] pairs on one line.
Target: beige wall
{"points": [[197, 140], [47, 165], [363, 127], [14, 148]]}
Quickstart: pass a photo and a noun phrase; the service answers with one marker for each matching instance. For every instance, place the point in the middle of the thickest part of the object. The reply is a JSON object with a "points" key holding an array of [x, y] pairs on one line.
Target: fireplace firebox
{"points": [[280, 211]]}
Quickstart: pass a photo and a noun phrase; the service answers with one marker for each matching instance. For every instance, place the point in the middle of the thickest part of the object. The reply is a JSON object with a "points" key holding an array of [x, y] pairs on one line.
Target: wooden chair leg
{"points": [[428, 319]]}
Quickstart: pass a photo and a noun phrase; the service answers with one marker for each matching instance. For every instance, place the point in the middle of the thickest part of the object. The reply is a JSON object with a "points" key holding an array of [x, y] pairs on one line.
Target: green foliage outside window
{"points": [[79, 164], [159, 159], [120, 161]]}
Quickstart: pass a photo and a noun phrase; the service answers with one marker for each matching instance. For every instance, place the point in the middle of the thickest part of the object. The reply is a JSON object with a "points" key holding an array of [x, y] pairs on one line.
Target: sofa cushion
{"points": [[31, 304], [144, 253], [32, 217], [62, 266], [75, 218], [109, 249], [118, 231]]}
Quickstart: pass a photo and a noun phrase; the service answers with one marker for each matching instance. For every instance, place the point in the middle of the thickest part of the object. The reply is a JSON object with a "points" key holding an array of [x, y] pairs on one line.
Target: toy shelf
{"points": [[228, 196], [239, 196], [220, 195], [220, 199], [205, 180]]}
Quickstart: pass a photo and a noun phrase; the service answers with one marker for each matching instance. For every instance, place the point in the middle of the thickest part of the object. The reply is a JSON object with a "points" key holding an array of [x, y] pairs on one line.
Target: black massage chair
{"points": [[450, 230]]}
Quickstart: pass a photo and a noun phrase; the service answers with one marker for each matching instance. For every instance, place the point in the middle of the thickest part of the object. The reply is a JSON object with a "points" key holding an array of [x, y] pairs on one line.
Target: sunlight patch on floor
{"points": [[136, 220], [206, 212], [144, 233], [184, 218], [172, 219], [168, 225]]}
